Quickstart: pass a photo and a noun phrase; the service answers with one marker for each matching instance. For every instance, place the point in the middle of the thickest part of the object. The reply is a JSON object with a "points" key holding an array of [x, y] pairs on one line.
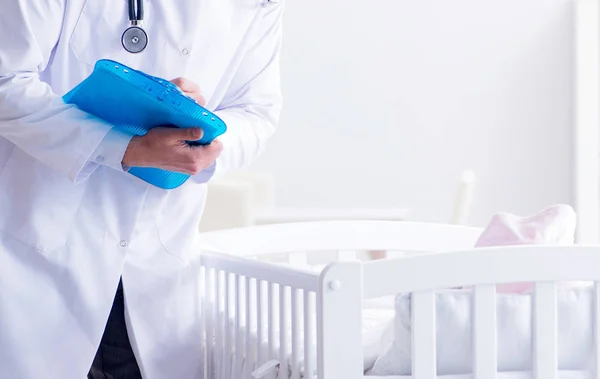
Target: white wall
{"points": [[387, 101]]}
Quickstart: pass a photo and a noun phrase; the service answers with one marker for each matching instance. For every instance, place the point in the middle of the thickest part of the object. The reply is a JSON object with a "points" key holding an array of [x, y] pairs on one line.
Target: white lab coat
{"points": [[72, 222]]}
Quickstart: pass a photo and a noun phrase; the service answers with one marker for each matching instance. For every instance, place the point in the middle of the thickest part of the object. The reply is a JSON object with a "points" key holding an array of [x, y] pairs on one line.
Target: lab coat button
{"points": [[185, 51], [123, 243], [100, 158]]}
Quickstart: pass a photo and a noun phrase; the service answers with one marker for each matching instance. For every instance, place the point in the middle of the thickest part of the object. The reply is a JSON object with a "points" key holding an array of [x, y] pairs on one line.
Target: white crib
{"points": [[288, 306]]}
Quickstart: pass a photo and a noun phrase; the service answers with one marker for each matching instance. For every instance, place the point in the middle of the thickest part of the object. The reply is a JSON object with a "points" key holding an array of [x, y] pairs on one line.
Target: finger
{"points": [[198, 158], [207, 152], [186, 85], [214, 146], [197, 97], [213, 151], [191, 89], [183, 134]]}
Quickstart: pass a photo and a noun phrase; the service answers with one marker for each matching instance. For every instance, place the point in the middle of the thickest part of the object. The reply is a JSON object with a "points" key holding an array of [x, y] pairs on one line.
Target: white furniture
{"points": [[245, 198], [337, 293], [461, 208], [229, 204], [232, 254], [463, 200], [234, 200], [290, 215]]}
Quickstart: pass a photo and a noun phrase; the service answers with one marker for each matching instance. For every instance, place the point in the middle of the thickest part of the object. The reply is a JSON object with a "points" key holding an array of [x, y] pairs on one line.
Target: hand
{"points": [[167, 149], [190, 89]]}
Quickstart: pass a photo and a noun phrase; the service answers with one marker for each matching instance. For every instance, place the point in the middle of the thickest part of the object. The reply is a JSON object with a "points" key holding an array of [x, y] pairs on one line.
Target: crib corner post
{"points": [[339, 321]]}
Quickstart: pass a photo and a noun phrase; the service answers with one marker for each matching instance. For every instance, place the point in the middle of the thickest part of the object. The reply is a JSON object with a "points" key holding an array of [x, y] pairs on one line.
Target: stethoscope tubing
{"points": [[136, 11]]}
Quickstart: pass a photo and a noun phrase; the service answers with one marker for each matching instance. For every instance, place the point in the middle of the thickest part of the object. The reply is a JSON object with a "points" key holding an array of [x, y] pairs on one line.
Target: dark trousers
{"points": [[115, 359]]}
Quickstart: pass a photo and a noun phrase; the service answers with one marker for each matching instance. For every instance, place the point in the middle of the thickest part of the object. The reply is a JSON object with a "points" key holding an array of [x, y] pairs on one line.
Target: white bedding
{"points": [[514, 330]]}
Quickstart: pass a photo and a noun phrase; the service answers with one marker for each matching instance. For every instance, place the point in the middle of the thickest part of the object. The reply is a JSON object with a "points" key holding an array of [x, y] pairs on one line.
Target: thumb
{"points": [[185, 134]]}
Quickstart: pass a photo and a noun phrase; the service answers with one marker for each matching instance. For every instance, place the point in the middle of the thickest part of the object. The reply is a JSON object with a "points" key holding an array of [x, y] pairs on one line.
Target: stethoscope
{"points": [[135, 39]]}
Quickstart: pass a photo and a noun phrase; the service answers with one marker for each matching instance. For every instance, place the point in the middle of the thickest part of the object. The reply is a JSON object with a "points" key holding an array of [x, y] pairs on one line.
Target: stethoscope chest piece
{"points": [[134, 39]]}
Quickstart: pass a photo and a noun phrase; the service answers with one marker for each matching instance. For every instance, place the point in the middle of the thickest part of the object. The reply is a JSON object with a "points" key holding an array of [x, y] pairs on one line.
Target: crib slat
{"points": [[283, 328], [423, 335], [296, 319], [228, 350], [308, 334], [272, 321], [238, 326], [259, 323], [249, 324], [203, 321], [210, 298], [545, 331], [219, 325], [597, 327], [485, 340]]}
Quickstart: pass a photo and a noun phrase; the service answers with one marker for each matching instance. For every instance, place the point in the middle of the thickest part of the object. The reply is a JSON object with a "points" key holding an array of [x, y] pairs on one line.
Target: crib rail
{"points": [[494, 265], [296, 277], [339, 235], [250, 306]]}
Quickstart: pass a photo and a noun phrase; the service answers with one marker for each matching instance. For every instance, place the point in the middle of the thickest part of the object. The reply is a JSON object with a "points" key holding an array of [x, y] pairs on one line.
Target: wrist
{"points": [[133, 155]]}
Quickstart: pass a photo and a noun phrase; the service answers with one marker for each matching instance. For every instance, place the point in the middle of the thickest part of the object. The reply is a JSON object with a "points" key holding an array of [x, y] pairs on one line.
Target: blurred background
{"points": [[429, 110]]}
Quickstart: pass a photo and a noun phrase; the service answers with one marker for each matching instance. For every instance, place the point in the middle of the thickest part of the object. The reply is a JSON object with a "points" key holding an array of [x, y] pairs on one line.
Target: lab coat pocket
{"points": [[37, 205], [97, 33]]}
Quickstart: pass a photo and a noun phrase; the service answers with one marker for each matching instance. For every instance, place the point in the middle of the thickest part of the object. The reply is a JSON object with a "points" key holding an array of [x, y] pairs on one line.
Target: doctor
{"points": [[75, 228]]}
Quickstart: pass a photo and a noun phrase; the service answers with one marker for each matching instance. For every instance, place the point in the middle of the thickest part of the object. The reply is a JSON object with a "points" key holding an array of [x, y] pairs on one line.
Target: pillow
{"points": [[554, 225], [514, 327]]}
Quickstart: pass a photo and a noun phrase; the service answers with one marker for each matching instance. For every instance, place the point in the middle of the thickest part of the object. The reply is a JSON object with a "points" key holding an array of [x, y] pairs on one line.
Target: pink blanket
{"points": [[554, 225]]}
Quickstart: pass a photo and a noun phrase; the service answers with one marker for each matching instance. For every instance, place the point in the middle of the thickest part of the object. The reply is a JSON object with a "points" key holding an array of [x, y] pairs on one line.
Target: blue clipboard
{"points": [[137, 102]]}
